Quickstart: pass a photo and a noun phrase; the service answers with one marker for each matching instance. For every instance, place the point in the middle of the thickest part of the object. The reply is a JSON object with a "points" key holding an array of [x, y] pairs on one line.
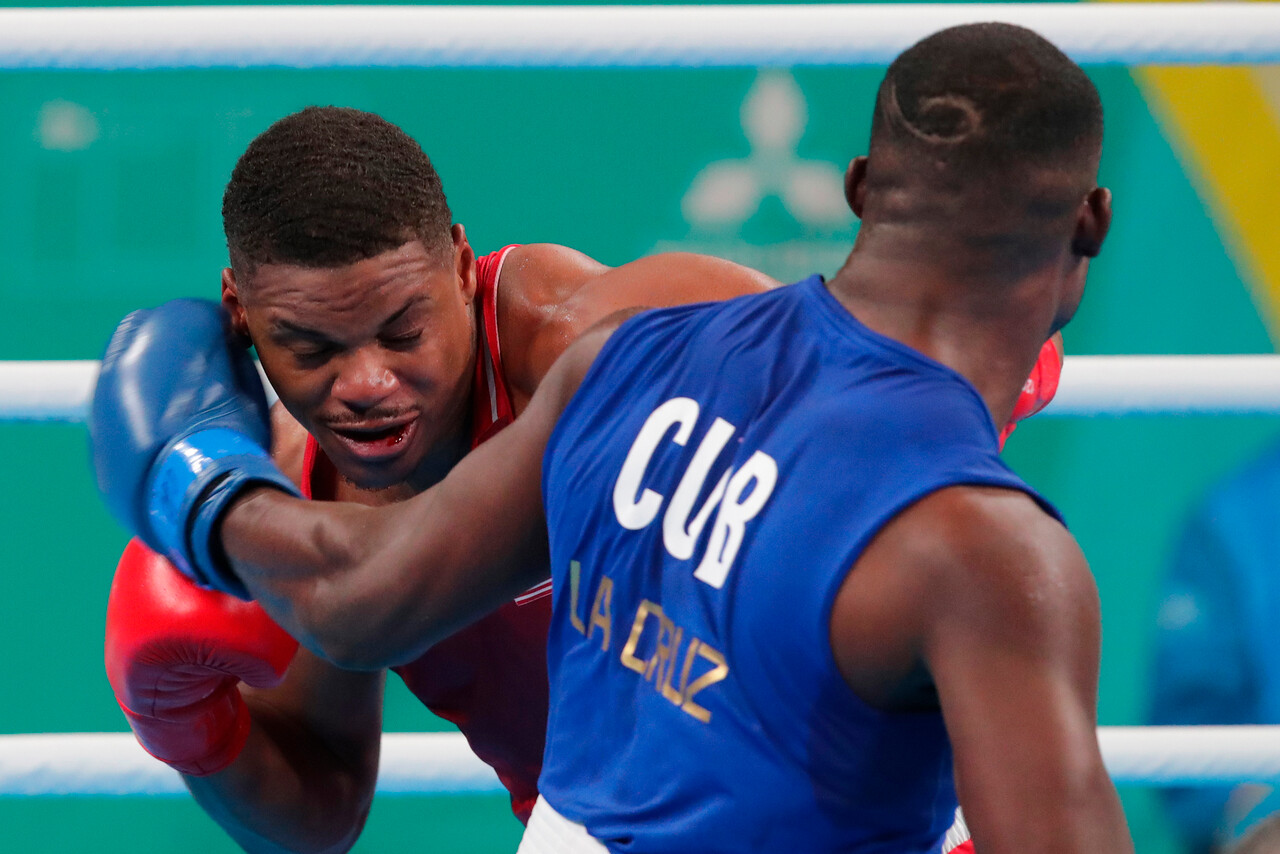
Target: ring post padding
{"points": [[109, 38]]}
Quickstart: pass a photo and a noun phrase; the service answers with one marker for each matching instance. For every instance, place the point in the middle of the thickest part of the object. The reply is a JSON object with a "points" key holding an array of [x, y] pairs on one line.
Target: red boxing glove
{"points": [[175, 654], [1040, 387]]}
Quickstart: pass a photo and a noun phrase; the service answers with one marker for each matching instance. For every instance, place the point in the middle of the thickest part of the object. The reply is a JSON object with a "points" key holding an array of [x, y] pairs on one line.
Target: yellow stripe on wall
{"points": [[1224, 122]]}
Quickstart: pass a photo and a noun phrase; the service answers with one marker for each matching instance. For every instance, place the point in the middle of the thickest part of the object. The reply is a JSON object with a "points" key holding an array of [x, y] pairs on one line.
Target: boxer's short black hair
{"points": [[329, 186], [983, 95]]}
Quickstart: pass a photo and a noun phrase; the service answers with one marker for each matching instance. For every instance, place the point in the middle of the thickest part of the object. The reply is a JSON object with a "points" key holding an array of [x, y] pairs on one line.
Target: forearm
{"points": [[1060, 810], [305, 780], [330, 573], [366, 587]]}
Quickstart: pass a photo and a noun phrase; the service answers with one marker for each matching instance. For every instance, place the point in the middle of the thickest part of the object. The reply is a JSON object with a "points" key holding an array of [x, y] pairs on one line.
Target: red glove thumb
{"points": [[1040, 386], [175, 654]]}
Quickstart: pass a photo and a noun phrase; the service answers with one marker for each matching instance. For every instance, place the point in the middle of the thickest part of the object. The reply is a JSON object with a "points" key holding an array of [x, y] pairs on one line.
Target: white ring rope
{"points": [[100, 763], [1091, 386], [1168, 385], [610, 36], [442, 763]]}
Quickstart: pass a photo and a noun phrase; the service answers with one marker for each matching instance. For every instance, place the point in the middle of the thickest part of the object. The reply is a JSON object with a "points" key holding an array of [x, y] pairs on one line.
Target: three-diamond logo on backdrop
{"points": [[771, 210]]}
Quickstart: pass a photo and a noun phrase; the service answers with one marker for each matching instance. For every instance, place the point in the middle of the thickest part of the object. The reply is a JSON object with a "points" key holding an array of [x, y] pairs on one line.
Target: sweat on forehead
{"points": [[329, 186]]}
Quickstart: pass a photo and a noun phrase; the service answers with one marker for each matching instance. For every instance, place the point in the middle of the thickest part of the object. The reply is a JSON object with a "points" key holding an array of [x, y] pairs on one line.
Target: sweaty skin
{"points": [[305, 779]]}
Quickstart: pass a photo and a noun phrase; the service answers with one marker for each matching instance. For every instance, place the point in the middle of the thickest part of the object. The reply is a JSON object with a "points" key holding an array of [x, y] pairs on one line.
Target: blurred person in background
{"points": [[1215, 654]]}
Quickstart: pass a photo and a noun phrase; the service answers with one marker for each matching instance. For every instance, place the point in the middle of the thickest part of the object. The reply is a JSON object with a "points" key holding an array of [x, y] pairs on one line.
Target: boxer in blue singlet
{"points": [[799, 603]]}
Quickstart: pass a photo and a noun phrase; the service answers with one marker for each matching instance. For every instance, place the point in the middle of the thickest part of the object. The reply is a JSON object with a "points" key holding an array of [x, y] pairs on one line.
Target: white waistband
{"points": [[957, 835], [548, 832]]}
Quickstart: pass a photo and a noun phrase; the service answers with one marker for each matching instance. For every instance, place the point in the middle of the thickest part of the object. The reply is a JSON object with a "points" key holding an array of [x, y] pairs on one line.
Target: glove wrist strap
{"points": [[194, 483]]}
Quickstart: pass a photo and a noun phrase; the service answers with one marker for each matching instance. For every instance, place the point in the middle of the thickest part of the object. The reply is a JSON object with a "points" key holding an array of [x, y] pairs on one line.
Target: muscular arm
{"points": [[305, 779], [369, 587], [978, 595], [552, 294]]}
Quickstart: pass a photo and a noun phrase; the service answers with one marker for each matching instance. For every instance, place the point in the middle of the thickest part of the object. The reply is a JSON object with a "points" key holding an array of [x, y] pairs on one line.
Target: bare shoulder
{"points": [[967, 564], [997, 535], [536, 276], [666, 279], [562, 294], [288, 443], [536, 283]]}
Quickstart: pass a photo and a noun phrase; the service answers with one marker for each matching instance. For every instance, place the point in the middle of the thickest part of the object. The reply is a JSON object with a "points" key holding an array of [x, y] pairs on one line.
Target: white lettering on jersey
{"points": [[761, 472], [739, 496], [634, 514], [677, 534]]}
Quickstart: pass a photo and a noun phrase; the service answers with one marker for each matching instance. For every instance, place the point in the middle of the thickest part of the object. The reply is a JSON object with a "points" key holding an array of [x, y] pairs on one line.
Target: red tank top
{"points": [[490, 679]]}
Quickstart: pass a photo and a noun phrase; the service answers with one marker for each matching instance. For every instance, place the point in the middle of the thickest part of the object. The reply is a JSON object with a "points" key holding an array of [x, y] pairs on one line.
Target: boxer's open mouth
{"points": [[376, 439]]}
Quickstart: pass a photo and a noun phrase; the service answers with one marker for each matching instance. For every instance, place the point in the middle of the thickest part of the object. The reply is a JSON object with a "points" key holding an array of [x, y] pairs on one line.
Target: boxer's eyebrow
{"points": [[404, 309], [283, 327], [286, 328]]}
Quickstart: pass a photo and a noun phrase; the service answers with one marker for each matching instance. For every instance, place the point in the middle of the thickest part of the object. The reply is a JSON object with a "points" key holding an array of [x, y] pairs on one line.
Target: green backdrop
{"points": [[111, 193]]}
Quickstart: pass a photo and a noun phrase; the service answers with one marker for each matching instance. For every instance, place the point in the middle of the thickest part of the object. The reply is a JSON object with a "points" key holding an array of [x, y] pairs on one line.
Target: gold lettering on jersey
{"points": [[601, 611], [668, 668], [712, 676], [628, 656], [659, 666], [575, 579]]}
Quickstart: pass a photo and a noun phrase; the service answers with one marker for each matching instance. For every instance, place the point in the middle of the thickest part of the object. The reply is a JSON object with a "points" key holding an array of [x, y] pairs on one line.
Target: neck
{"points": [[956, 309]]}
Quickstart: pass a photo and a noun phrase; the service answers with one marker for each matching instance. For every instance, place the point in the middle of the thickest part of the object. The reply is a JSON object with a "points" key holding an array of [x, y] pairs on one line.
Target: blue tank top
{"points": [[707, 490]]}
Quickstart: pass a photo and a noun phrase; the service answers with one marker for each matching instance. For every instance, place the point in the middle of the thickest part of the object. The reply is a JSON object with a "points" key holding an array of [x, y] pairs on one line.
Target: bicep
{"points": [[1015, 669], [309, 767], [1012, 644]]}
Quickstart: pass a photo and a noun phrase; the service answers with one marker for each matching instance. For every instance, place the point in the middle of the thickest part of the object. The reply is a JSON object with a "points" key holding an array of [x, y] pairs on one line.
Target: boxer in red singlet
{"points": [[394, 351], [490, 678]]}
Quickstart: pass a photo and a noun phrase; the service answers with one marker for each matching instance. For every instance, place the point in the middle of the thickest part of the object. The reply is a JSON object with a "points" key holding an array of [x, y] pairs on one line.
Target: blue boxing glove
{"points": [[179, 426]]}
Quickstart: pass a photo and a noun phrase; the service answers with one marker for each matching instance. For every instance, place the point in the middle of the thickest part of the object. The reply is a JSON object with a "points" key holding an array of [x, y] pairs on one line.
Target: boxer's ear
{"points": [[231, 302]]}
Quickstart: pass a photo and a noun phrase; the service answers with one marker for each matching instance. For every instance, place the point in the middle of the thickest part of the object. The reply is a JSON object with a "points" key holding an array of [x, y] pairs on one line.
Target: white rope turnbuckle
{"points": [[610, 36], [1091, 386], [442, 763]]}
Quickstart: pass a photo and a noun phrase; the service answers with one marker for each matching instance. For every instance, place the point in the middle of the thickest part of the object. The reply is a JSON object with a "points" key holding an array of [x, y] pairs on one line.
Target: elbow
{"points": [[305, 845], [347, 636], [349, 654], [361, 632], [340, 843], [373, 607], [341, 614]]}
